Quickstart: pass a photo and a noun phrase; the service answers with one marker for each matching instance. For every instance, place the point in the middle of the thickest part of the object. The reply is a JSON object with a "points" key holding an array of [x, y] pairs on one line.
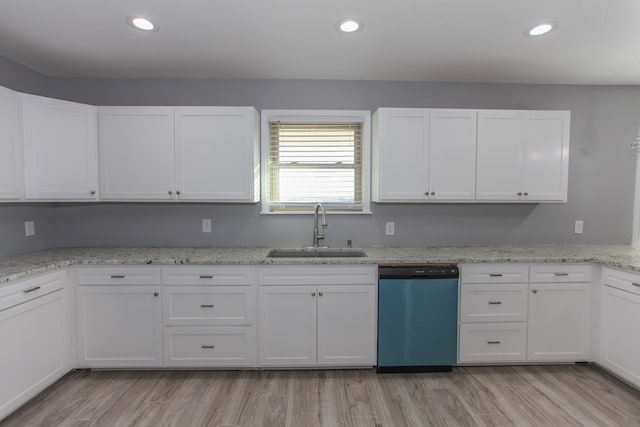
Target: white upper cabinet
{"points": [[60, 149], [522, 155], [136, 153], [182, 153], [423, 155], [10, 145], [217, 154]]}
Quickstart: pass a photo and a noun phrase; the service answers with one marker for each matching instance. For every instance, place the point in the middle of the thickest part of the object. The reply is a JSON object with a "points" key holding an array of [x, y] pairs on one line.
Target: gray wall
{"points": [[604, 121], [12, 217]]}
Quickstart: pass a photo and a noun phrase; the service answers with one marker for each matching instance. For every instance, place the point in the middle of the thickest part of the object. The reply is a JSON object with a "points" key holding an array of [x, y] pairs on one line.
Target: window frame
{"points": [[321, 116]]}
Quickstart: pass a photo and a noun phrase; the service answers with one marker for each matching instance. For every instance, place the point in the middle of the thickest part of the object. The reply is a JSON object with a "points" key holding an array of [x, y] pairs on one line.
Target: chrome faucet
{"points": [[317, 232]]}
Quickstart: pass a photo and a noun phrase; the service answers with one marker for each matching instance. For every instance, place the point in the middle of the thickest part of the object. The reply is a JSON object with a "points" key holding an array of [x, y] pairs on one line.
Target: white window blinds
{"points": [[315, 162]]}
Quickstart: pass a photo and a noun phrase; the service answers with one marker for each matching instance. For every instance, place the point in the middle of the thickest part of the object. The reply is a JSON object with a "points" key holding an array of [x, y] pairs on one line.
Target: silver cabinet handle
{"points": [[426, 194], [561, 274], [525, 193], [35, 288], [117, 276], [170, 193], [495, 274], [635, 284], [519, 193], [534, 291], [208, 346], [92, 192], [155, 294], [313, 294], [495, 302], [320, 294], [206, 305], [206, 276], [178, 192], [493, 342], [433, 193]]}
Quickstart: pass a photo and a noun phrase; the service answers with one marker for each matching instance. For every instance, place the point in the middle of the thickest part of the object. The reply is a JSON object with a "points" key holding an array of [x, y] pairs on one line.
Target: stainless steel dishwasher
{"points": [[417, 318]]}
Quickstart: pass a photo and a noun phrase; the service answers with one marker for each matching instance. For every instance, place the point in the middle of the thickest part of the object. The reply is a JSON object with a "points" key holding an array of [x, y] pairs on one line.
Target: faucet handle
{"points": [[349, 243]]}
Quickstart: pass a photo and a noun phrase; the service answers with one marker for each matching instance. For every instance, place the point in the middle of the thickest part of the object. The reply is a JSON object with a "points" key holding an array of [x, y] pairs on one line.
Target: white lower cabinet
{"points": [[198, 346], [35, 337], [119, 326], [321, 324], [559, 321], [620, 317], [521, 312]]}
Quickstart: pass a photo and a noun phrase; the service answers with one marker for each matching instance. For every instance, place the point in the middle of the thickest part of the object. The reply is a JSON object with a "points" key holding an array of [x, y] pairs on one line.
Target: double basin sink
{"points": [[316, 253]]}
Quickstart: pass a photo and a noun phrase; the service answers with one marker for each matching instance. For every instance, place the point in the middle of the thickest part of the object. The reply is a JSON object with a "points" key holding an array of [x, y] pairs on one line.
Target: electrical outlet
{"points": [[29, 228], [206, 226], [390, 228], [578, 228]]}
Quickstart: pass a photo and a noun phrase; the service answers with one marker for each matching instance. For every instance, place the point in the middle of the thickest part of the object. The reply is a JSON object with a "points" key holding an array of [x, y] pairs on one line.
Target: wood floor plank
{"points": [[547, 395]]}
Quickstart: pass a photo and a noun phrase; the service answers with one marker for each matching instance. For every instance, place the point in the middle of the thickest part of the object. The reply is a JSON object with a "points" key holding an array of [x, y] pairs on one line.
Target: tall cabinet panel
{"points": [[216, 148], [499, 156], [60, 149], [136, 153], [400, 155], [10, 145], [452, 154]]}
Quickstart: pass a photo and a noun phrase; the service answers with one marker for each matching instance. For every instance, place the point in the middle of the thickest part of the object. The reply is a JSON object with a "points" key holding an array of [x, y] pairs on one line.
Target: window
{"points": [[312, 157]]}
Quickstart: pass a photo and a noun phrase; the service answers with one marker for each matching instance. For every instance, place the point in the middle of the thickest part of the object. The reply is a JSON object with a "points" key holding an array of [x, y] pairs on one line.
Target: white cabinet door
{"points": [[546, 155], [620, 346], [559, 321], [34, 337], [136, 153], [119, 326], [10, 145], [452, 154], [347, 325], [287, 325], [60, 149], [217, 154], [401, 155], [499, 155]]}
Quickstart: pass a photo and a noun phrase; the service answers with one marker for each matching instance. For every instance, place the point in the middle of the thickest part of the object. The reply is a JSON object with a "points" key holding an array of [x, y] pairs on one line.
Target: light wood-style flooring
{"points": [[564, 395]]}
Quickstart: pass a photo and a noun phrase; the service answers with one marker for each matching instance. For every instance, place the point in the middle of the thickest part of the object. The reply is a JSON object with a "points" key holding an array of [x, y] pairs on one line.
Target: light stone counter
{"points": [[24, 265]]}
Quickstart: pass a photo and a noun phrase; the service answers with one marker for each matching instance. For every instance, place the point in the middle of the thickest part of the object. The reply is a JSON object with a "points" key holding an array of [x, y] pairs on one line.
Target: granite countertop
{"points": [[24, 265]]}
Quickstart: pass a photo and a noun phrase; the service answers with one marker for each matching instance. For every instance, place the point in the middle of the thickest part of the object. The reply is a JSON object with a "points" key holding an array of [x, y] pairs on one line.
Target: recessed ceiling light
{"points": [[349, 25], [540, 29], [141, 23]]}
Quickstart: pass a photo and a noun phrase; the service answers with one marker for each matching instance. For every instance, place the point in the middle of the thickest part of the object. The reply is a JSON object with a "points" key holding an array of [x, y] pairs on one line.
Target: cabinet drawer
{"points": [[26, 290], [208, 306], [623, 280], [218, 275], [493, 342], [559, 273], [318, 275], [493, 303], [118, 275], [209, 347], [494, 273]]}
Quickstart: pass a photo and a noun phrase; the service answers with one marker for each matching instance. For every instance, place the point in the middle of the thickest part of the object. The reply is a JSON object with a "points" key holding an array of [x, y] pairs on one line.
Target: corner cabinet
{"points": [[60, 149], [317, 316], [179, 153], [522, 156], [422, 155], [10, 146]]}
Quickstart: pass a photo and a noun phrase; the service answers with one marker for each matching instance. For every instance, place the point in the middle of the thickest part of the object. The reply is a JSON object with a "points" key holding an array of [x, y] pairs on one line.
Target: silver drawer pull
{"points": [[35, 288], [495, 274], [561, 274], [635, 284], [493, 342], [206, 305], [208, 346], [495, 302], [206, 276], [117, 276]]}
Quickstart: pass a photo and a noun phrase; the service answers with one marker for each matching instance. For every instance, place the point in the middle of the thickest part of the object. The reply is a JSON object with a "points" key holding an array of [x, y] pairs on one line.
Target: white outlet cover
{"points": [[578, 228], [390, 228], [206, 226], [29, 228]]}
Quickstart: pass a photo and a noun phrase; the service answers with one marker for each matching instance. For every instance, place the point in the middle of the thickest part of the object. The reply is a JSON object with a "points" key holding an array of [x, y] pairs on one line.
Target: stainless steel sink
{"points": [[316, 252]]}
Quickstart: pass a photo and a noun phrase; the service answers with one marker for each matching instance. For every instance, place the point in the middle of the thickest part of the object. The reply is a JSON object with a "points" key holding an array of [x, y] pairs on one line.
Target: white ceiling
{"points": [[597, 42]]}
